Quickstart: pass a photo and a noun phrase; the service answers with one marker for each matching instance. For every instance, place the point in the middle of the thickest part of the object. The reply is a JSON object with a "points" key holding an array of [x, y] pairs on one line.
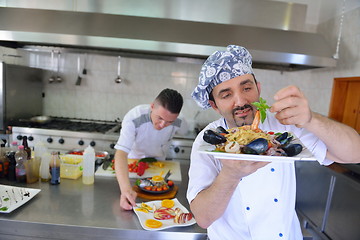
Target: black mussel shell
{"points": [[220, 129], [292, 149], [213, 138], [284, 138], [258, 146]]}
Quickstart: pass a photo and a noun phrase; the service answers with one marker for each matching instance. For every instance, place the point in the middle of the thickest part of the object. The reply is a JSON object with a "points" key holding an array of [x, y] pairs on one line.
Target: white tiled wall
{"points": [[99, 97]]}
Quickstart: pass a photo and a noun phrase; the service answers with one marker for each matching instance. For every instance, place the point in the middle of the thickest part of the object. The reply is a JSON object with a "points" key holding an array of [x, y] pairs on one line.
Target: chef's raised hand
{"points": [[291, 107], [127, 200]]}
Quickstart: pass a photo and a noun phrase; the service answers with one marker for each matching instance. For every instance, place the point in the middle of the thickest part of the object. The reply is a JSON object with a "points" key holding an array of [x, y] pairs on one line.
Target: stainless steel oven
{"points": [[64, 134]]}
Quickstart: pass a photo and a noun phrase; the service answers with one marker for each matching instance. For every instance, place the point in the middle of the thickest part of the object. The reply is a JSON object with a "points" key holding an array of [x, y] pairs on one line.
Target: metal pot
{"points": [[40, 119]]}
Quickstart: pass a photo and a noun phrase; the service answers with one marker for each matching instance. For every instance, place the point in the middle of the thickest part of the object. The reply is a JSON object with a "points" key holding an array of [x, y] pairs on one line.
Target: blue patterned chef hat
{"points": [[220, 67]]}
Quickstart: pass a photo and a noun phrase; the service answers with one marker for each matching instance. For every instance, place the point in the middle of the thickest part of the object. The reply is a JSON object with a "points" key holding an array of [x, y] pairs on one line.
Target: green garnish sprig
{"points": [[261, 106]]}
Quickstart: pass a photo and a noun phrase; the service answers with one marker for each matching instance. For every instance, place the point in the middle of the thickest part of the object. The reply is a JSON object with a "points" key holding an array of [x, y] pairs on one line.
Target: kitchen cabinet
{"points": [[328, 197], [342, 221], [345, 102], [312, 191]]}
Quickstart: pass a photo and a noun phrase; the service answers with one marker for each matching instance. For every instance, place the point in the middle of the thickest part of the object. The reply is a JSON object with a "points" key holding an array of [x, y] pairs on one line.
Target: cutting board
{"points": [[168, 195], [153, 170]]}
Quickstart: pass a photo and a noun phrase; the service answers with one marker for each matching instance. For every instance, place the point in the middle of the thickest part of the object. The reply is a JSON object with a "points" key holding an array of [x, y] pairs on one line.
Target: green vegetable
{"points": [[148, 159], [4, 208], [261, 106], [138, 181]]}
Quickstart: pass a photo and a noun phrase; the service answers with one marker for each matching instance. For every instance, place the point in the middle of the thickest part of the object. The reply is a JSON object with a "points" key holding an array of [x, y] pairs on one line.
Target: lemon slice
{"points": [[168, 203], [158, 178], [151, 223]]}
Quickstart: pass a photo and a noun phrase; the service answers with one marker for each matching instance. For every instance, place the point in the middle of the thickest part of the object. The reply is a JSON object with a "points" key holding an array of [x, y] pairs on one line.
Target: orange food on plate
{"points": [[168, 203], [152, 223]]}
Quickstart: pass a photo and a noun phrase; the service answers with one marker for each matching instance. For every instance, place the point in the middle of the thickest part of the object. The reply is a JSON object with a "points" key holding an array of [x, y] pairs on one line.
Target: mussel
{"points": [[213, 137], [258, 146], [284, 138], [220, 129], [292, 149]]}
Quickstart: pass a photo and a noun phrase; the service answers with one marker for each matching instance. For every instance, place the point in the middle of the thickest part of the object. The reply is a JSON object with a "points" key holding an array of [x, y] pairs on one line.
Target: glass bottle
{"points": [[32, 171], [12, 166], [20, 157], [26, 147], [55, 168]]}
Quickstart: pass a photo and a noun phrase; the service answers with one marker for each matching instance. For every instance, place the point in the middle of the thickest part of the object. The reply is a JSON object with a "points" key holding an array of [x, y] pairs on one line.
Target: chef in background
{"points": [[255, 200], [146, 131]]}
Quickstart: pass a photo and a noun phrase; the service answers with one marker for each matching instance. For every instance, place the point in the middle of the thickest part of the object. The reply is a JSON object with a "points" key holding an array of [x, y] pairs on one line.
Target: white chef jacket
{"points": [[263, 204], [140, 139]]}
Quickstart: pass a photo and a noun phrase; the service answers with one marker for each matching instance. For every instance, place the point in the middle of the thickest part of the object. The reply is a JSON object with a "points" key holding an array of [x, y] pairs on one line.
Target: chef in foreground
{"points": [[238, 199], [146, 131]]}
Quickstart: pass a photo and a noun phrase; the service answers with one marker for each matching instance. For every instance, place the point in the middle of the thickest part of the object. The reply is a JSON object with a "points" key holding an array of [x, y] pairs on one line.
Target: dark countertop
{"points": [[72, 210]]}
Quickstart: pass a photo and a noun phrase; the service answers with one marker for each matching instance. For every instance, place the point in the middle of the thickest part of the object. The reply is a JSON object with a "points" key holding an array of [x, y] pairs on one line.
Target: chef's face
{"points": [[161, 117], [233, 98]]}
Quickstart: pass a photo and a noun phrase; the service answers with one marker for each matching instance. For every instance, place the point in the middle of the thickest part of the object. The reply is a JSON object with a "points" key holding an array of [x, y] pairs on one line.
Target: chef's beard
{"points": [[246, 120]]}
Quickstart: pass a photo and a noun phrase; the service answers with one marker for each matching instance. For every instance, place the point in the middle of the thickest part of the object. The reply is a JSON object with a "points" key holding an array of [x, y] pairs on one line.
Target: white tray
{"points": [[166, 223], [13, 197]]}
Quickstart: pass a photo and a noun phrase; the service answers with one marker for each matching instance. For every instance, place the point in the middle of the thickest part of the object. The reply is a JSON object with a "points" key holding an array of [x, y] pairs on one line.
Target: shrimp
{"points": [[256, 121]]}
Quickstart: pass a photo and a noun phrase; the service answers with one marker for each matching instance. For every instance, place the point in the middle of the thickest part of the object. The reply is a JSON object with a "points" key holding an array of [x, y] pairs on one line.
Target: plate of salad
{"points": [[163, 214]]}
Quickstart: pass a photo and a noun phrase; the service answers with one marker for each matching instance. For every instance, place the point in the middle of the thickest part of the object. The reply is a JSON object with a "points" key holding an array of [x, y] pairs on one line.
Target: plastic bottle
{"points": [[55, 168], [45, 167], [20, 157], [26, 147], [14, 146], [88, 166]]}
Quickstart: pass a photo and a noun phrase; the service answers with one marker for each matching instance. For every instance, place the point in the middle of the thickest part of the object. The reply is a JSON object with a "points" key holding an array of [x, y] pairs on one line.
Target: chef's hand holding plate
{"points": [[237, 169]]}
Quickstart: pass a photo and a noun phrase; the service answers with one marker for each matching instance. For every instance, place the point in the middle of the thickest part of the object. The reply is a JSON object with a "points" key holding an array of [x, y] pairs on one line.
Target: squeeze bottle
{"points": [[88, 166]]}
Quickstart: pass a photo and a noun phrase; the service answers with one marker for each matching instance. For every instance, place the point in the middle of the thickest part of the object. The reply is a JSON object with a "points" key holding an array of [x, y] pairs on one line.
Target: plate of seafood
{"points": [[13, 197], [163, 214], [254, 145]]}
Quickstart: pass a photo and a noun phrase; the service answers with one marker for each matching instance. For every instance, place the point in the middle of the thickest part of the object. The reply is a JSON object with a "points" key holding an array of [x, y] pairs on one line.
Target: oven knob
{"points": [[112, 146], [61, 141], [49, 140], [19, 137], [92, 143], [81, 142], [30, 138], [176, 149]]}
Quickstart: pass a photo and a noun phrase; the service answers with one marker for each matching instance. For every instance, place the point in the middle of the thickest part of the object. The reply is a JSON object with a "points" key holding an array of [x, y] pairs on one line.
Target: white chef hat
{"points": [[220, 67]]}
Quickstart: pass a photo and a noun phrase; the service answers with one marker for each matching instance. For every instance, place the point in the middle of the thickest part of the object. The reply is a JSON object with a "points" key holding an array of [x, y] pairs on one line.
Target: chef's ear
{"points": [[213, 105], [258, 84]]}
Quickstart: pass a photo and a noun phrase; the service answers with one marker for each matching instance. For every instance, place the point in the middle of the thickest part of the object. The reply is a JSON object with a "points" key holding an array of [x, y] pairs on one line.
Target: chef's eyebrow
{"points": [[246, 81]]}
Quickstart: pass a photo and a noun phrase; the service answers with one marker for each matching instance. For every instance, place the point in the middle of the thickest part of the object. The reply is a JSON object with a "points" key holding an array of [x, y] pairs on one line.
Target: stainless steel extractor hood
{"points": [[271, 48]]}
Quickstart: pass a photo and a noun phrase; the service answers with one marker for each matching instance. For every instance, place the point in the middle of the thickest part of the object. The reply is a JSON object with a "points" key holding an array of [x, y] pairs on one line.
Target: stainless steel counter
{"points": [[72, 210]]}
